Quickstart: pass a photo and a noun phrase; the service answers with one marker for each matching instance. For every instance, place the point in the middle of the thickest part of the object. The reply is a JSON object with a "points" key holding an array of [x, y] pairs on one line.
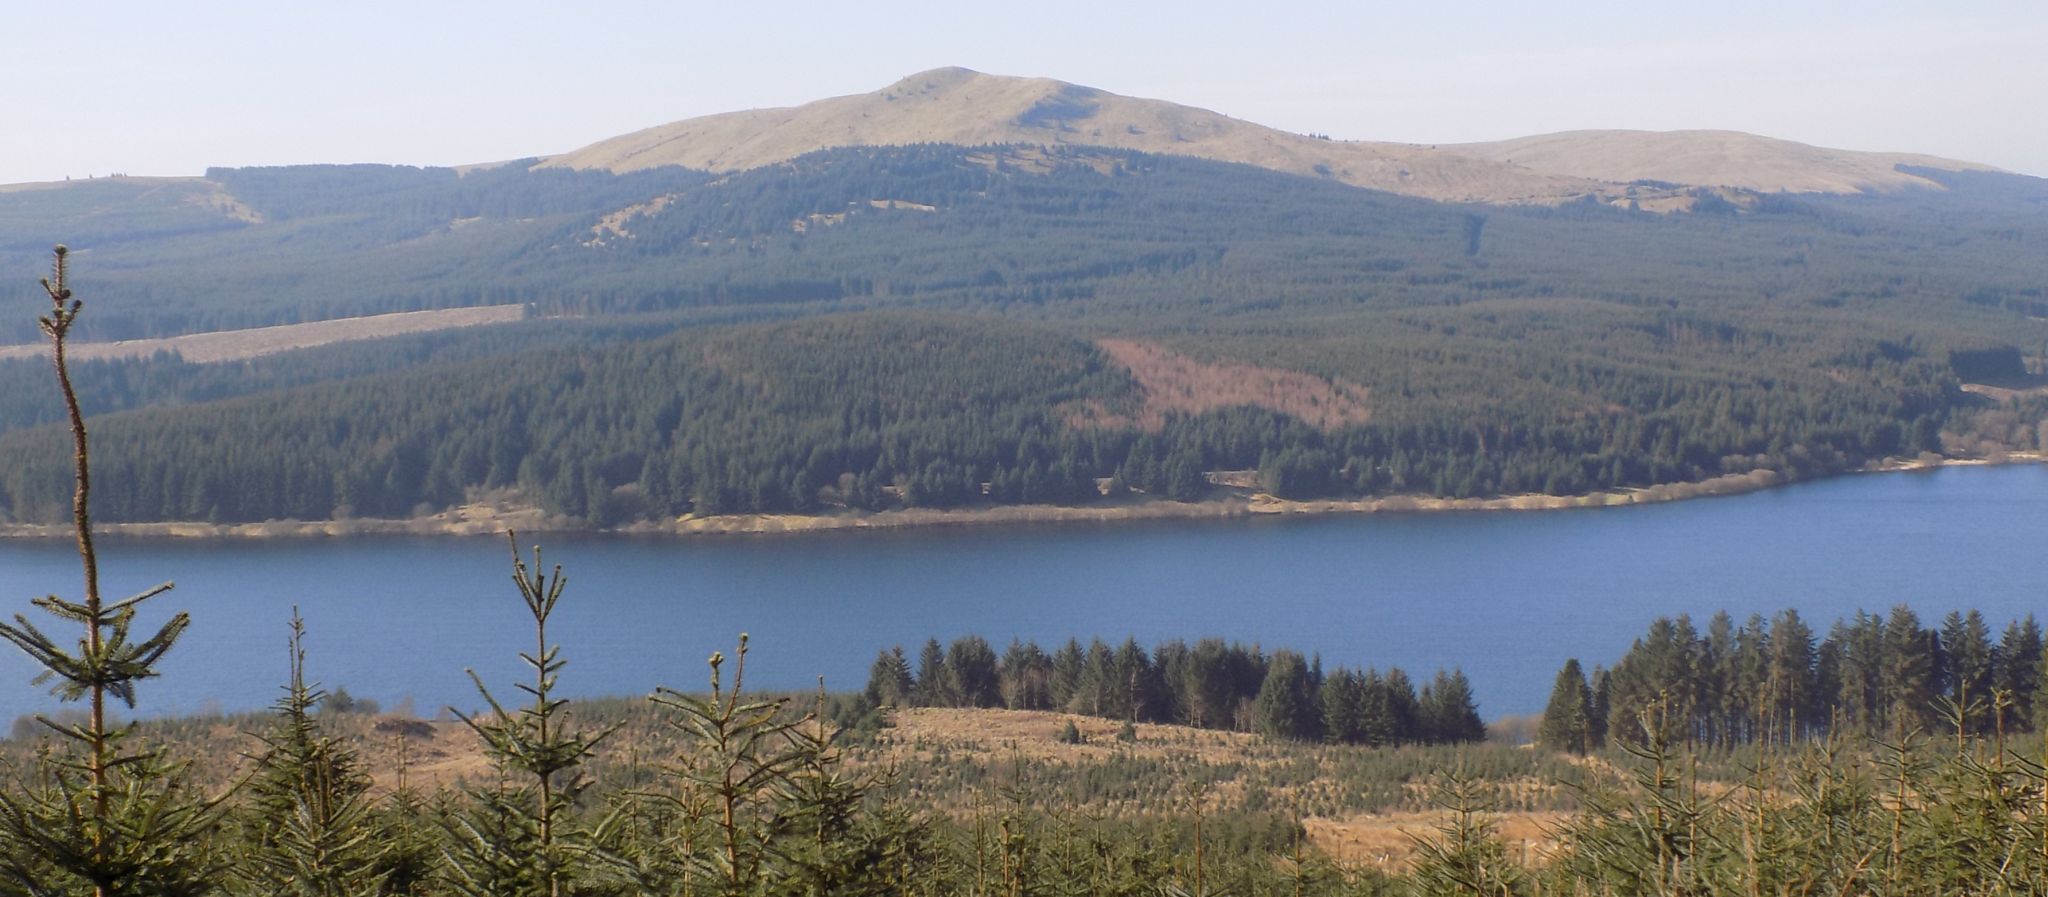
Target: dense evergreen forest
{"points": [[816, 414], [1776, 682], [1209, 684], [752, 342], [1057, 233]]}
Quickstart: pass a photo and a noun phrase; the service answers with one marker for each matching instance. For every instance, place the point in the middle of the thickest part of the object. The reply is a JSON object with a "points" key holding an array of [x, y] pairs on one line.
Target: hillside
{"points": [[1175, 317], [1080, 325], [967, 108], [1714, 159]]}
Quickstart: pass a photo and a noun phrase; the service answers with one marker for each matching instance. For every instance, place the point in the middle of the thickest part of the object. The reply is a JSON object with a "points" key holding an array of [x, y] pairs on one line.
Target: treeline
{"points": [[1678, 357], [1209, 684], [1778, 682], [1093, 232], [164, 379], [886, 410], [753, 418]]}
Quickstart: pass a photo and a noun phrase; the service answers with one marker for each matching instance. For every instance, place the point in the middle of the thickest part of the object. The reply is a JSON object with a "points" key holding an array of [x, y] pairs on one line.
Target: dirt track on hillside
{"points": [[237, 345]]}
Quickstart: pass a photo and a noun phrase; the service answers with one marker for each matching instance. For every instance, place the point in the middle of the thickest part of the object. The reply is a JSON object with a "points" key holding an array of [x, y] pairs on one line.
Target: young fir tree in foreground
{"points": [[308, 828], [99, 814], [521, 838]]}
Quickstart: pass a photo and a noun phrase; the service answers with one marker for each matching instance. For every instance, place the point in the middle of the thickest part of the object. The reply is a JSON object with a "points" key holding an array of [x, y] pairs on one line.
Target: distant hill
{"points": [[958, 106], [1109, 314], [969, 108], [1713, 159], [762, 313]]}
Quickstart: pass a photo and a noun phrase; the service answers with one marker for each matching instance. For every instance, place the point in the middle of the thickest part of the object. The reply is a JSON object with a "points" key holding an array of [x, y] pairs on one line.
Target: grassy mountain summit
{"points": [[1715, 159], [968, 108]]}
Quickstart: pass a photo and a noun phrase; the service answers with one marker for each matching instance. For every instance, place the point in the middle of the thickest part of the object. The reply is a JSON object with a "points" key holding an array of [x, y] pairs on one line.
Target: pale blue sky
{"points": [[170, 88]]}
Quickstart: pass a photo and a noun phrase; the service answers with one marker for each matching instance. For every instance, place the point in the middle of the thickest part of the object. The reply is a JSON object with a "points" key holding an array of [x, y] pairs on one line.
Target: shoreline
{"points": [[496, 518]]}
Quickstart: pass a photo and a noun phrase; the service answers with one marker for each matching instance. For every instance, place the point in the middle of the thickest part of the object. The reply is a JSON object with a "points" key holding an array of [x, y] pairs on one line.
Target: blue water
{"points": [[1505, 596]]}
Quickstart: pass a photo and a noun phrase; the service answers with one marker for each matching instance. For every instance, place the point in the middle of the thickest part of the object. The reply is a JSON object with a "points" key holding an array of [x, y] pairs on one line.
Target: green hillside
{"points": [[1498, 350]]}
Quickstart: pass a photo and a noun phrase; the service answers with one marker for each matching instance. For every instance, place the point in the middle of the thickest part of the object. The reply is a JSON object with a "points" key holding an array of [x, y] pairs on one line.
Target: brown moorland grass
{"points": [[951, 762], [1173, 382]]}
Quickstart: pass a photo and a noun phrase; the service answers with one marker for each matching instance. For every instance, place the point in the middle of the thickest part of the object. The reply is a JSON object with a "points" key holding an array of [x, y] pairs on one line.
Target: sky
{"points": [[89, 88]]}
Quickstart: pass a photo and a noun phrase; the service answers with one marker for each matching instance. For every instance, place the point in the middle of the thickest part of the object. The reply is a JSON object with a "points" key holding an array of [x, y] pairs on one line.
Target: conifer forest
{"points": [[1889, 755], [718, 352], [1020, 304]]}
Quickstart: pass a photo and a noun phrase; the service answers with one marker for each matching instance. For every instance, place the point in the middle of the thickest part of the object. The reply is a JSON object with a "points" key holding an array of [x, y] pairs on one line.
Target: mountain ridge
{"points": [[1716, 158], [1661, 171], [964, 107], [1658, 170]]}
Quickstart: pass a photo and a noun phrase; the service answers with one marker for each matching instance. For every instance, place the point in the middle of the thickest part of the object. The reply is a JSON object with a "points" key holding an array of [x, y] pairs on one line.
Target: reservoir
{"points": [[1506, 596]]}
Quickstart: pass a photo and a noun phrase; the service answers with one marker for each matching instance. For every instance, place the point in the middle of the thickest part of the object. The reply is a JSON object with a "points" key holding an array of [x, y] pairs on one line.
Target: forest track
{"points": [[255, 342]]}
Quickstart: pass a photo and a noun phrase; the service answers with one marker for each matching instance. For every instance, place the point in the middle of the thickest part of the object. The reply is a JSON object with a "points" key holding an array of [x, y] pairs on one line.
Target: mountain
{"points": [[766, 313], [1638, 169], [968, 108], [1714, 159], [941, 326]]}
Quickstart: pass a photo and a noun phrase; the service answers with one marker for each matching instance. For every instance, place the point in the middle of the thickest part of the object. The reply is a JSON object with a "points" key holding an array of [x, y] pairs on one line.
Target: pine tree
{"points": [[1287, 706], [2019, 673], [1789, 686], [1600, 709], [1968, 659], [408, 838], [2041, 692], [736, 769], [971, 664], [889, 680], [1343, 697], [1376, 711], [1860, 670], [1139, 694], [1752, 685], [1208, 693], [1466, 857], [837, 847], [1567, 719], [1404, 712], [1449, 713], [1659, 669], [308, 829], [1069, 664], [514, 843], [1097, 690], [99, 816], [934, 681], [1908, 679], [1026, 677], [1718, 677]]}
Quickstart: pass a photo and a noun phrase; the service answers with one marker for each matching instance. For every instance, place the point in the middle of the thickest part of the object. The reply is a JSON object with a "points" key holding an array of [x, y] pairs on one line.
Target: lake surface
{"points": [[1506, 596]]}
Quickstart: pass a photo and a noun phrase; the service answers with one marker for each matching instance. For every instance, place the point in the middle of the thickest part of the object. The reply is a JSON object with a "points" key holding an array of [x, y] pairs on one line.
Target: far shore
{"points": [[497, 517]]}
